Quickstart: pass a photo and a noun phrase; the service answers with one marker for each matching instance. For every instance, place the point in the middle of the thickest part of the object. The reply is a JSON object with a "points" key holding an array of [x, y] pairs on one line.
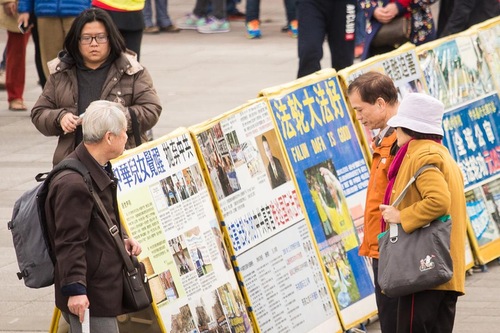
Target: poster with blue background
{"points": [[332, 176]]}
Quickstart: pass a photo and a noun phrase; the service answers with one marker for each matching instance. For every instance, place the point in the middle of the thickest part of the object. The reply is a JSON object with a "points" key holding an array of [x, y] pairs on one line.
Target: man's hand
{"points": [[132, 246], [77, 305]]}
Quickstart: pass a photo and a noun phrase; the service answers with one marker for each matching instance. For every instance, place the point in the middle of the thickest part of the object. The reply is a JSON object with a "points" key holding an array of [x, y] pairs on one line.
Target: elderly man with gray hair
{"points": [[88, 267]]}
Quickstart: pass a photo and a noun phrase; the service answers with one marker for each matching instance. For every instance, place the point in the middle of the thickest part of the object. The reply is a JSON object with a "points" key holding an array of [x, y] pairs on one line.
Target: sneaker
{"points": [[253, 29], [151, 30], [214, 26], [293, 29], [190, 22]]}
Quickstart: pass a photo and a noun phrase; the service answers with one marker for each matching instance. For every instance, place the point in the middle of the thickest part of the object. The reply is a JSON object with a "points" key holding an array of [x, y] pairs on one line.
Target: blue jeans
{"points": [[162, 18], [253, 10]]}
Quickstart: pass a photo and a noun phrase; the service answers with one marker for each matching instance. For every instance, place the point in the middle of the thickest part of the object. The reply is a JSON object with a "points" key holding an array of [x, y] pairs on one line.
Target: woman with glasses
{"points": [[94, 65]]}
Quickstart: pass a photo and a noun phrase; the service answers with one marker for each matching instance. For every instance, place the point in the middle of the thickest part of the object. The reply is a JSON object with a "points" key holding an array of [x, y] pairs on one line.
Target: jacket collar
{"points": [[98, 173]]}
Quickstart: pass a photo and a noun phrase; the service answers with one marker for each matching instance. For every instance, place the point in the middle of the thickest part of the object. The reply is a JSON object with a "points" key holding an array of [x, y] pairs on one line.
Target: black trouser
{"points": [[429, 311], [133, 40], [333, 19], [387, 306]]}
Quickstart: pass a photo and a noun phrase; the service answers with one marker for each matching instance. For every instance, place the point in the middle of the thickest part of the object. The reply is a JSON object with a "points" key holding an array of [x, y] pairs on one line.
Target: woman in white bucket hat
{"points": [[437, 192]]}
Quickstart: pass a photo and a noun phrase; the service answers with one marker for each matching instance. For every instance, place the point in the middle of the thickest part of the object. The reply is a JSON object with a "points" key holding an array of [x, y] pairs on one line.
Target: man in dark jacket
{"points": [[458, 15], [88, 268]]}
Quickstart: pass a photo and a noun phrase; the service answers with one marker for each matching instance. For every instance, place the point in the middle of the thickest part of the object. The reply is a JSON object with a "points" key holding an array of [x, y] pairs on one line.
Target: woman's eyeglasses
{"points": [[87, 39]]}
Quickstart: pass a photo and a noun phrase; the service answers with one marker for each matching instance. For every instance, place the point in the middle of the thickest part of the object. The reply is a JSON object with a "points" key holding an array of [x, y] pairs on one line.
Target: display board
{"points": [[271, 245], [332, 174], [457, 72], [165, 205]]}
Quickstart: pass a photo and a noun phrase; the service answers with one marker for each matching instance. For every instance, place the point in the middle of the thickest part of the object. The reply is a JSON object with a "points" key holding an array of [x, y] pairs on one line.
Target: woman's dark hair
{"points": [[372, 85], [72, 40], [421, 136]]}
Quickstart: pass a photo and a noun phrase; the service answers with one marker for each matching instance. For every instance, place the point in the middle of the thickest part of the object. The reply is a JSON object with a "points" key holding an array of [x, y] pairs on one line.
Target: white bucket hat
{"points": [[420, 113]]}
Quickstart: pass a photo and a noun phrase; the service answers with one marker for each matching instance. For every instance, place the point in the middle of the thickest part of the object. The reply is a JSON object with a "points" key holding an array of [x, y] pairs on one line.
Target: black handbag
{"points": [[409, 263], [394, 33], [136, 291]]}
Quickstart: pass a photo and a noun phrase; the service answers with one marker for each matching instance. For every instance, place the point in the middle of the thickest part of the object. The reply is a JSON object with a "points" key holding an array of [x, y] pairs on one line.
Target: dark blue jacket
{"points": [[54, 8]]}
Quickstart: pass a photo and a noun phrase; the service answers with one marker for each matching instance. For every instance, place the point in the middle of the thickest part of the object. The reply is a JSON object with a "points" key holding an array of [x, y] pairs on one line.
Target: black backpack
{"points": [[29, 228]]}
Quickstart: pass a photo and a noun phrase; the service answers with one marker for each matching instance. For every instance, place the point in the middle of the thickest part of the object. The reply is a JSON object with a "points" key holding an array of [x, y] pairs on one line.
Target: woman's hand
{"points": [[69, 123], [390, 214], [386, 14]]}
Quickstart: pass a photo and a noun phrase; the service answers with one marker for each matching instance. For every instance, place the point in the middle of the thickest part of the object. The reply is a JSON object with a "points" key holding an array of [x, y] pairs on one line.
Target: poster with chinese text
{"points": [[332, 175], [263, 221], [165, 205]]}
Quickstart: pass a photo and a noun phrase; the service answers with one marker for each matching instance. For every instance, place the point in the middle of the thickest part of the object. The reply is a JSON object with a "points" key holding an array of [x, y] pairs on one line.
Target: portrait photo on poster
{"points": [[272, 157]]}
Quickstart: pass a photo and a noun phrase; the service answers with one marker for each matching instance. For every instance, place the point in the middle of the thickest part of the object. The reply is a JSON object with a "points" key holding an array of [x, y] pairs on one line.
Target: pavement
{"points": [[197, 77]]}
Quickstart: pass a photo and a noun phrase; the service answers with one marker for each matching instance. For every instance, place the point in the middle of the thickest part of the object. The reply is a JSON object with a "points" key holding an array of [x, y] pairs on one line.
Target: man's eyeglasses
{"points": [[87, 39]]}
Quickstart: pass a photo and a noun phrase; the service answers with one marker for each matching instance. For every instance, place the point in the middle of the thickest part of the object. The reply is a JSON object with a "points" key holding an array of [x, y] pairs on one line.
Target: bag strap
{"points": [[115, 233], [135, 127], [411, 181], [393, 227]]}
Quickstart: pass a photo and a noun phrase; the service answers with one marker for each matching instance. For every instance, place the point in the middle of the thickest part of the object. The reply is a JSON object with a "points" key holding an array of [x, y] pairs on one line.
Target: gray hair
{"points": [[101, 117]]}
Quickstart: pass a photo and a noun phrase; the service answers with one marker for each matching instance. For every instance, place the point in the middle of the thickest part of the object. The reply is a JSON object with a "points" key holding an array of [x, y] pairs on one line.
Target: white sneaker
{"points": [[190, 22], [214, 26]]}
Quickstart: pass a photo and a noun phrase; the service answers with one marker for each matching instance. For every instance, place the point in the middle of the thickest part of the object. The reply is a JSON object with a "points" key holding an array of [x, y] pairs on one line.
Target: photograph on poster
{"points": [[340, 273], [197, 177], [168, 285], [483, 204], [331, 205], [219, 241], [453, 71], [271, 154], [415, 86], [181, 255], [183, 321], [220, 166], [169, 190], [491, 46], [252, 158], [180, 185], [234, 309], [209, 315], [190, 184], [198, 251]]}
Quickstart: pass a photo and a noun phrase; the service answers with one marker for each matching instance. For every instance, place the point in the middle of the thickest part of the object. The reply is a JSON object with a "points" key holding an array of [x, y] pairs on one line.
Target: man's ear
{"points": [[107, 137], [380, 102]]}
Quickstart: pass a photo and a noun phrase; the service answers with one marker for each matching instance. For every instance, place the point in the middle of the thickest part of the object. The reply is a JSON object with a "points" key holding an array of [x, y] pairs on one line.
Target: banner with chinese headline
{"points": [[458, 74], [331, 172], [165, 204], [263, 222]]}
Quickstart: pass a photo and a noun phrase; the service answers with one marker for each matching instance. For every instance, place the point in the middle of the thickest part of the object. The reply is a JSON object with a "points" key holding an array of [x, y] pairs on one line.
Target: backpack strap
{"points": [[67, 164]]}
